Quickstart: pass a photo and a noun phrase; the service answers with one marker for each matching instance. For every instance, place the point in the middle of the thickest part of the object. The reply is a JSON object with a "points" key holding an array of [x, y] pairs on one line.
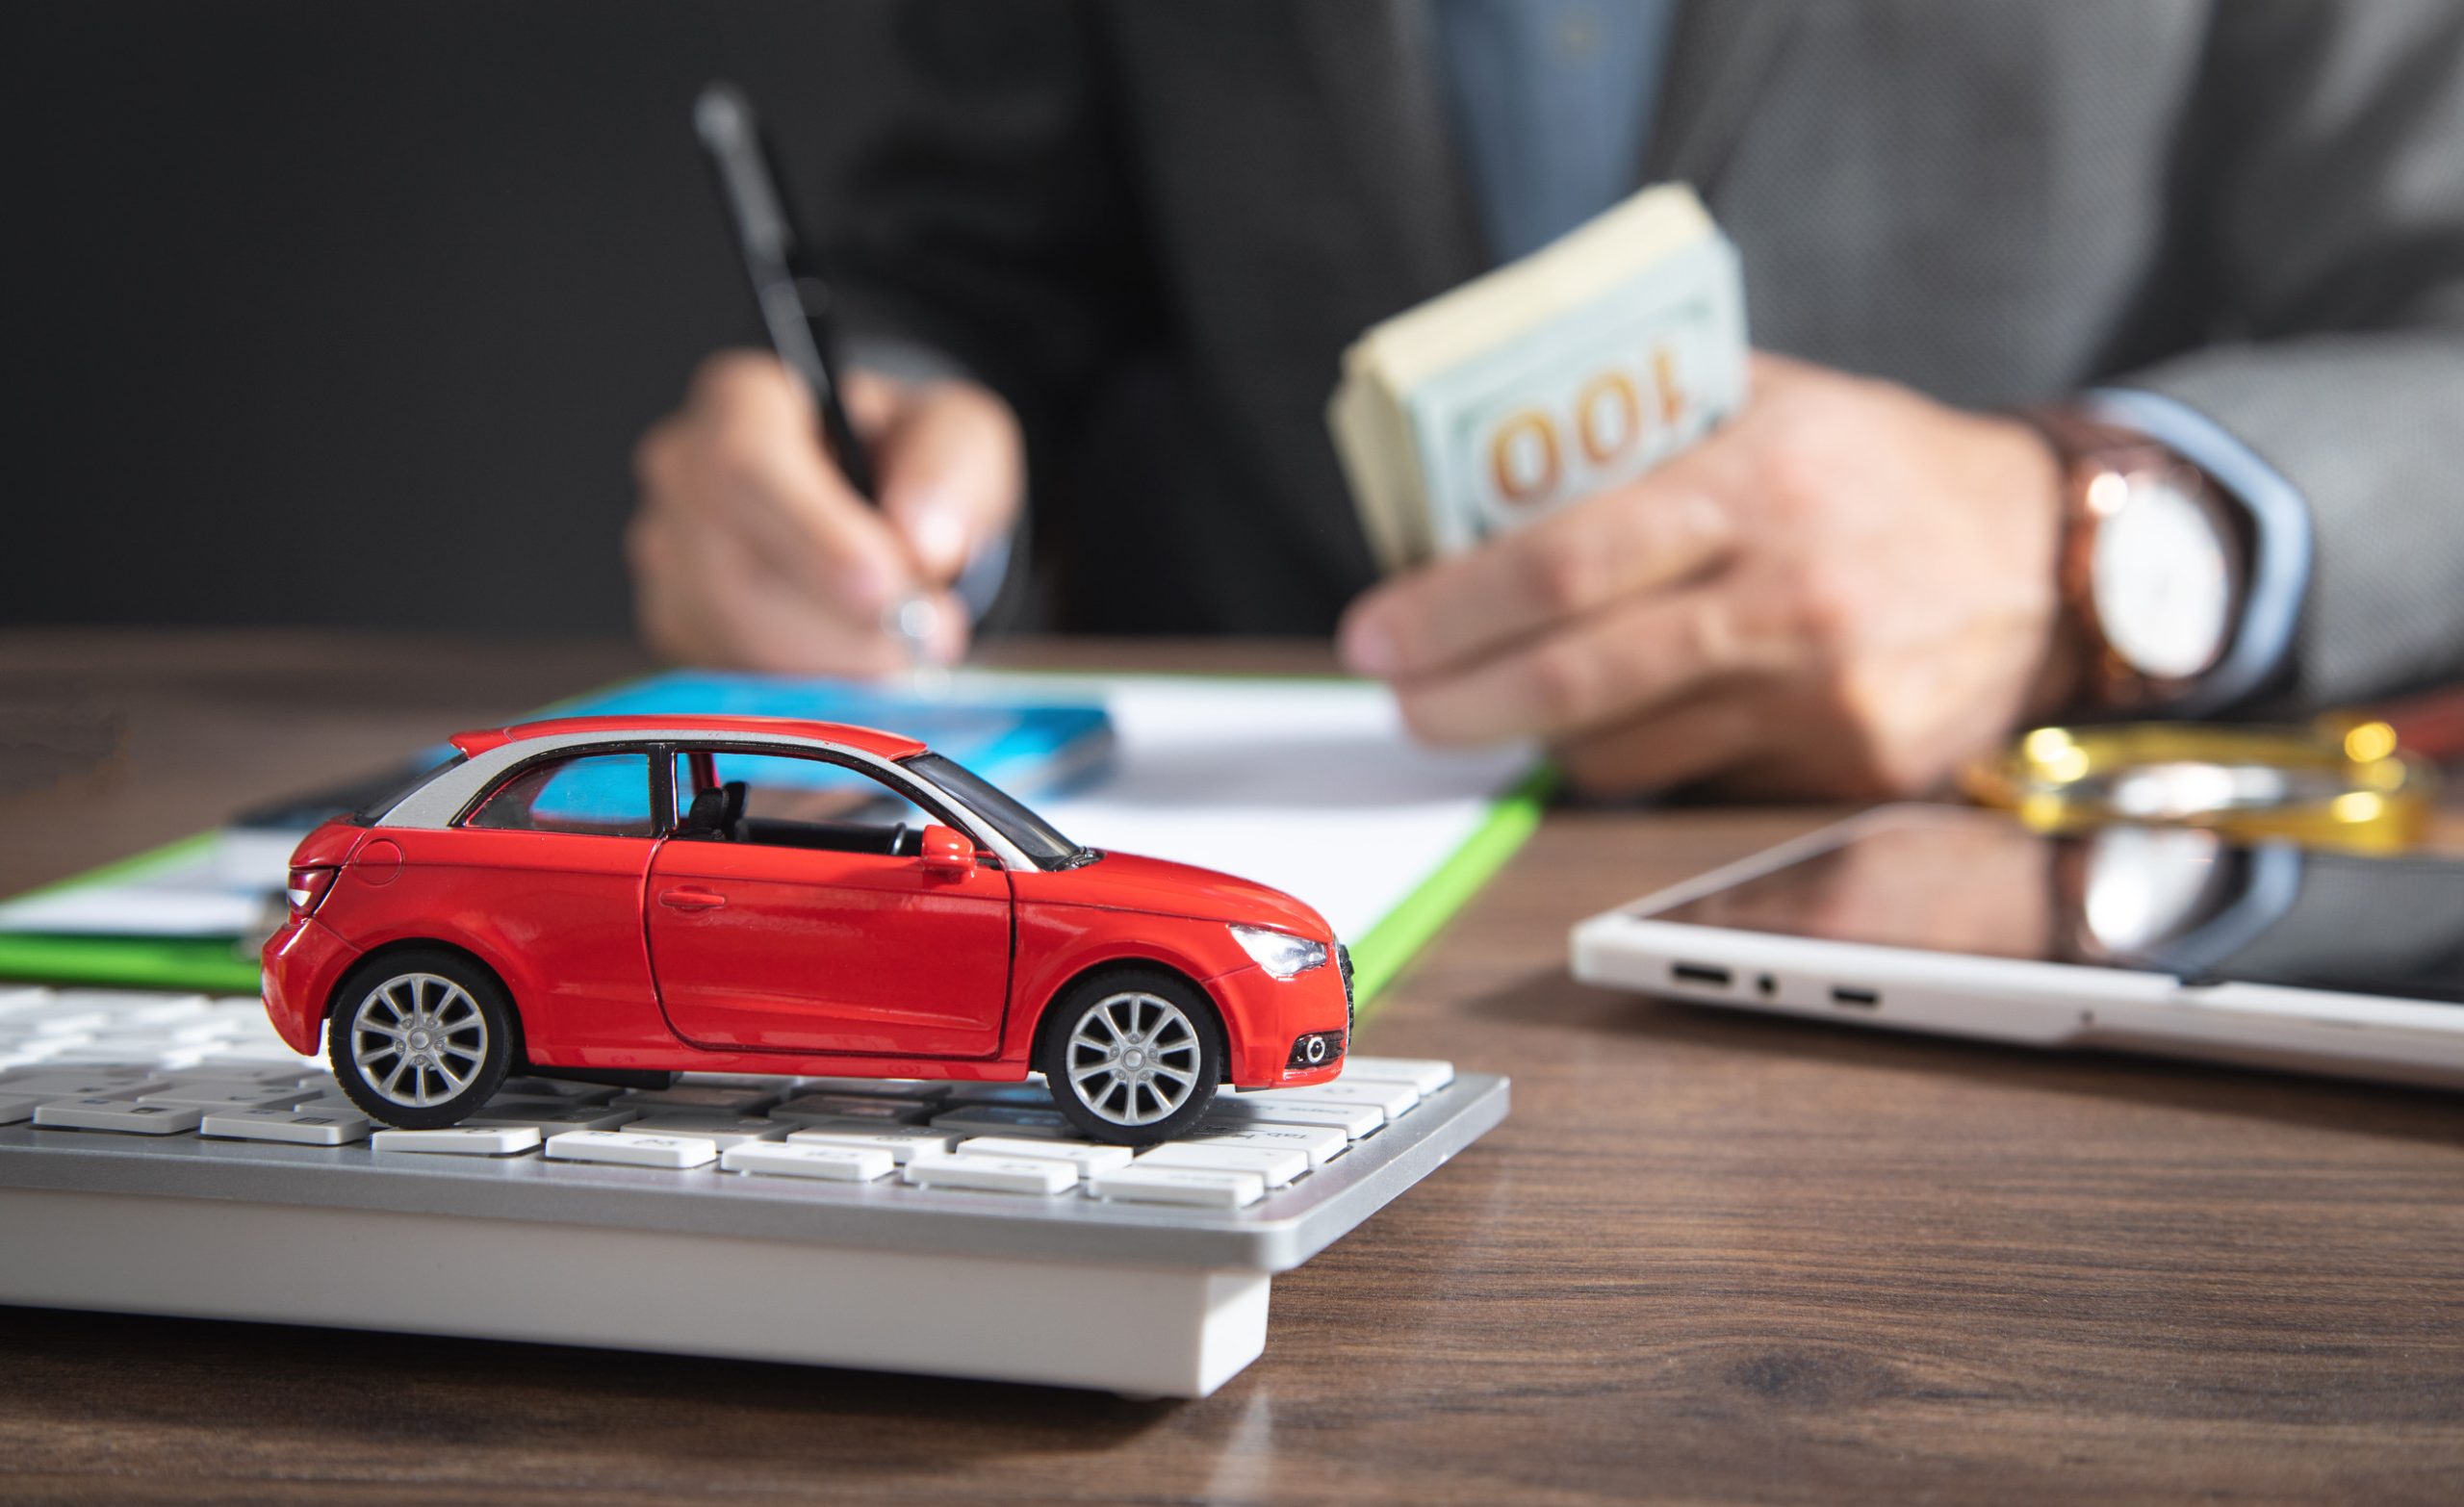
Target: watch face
{"points": [[2163, 580]]}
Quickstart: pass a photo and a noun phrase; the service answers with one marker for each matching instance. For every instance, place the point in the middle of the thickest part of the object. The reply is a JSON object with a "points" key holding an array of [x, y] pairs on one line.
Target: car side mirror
{"points": [[946, 852]]}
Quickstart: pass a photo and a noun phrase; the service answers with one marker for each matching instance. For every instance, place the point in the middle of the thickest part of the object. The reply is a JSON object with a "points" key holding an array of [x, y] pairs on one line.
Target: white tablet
{"points": [[1964, 923]]}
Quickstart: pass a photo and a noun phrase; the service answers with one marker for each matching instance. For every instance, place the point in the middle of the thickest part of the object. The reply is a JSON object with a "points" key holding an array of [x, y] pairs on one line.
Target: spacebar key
{"points": [[1354, 1120]]}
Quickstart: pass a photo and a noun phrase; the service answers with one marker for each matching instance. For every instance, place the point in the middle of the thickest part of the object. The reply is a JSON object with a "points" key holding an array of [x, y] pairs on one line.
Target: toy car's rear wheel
{"points": [[419, 1040], [1133, 1057]]}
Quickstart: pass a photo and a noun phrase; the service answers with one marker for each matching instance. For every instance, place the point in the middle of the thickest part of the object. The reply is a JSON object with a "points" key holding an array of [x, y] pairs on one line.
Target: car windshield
{"points": [[1034, 836]]}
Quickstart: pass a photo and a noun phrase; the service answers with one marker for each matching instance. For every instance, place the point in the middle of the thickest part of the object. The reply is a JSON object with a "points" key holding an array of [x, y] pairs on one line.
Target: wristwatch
{"points": [[2154, 562]]}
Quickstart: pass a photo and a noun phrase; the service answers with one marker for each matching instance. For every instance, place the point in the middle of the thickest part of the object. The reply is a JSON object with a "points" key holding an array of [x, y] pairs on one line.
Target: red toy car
{"points": [[619, 898]]}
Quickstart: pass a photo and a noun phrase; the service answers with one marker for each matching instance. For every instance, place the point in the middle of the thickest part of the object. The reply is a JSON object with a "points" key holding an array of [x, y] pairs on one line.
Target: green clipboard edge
{"points": [[1380, 956], [211, 964], [170, 963], [189, 964]]}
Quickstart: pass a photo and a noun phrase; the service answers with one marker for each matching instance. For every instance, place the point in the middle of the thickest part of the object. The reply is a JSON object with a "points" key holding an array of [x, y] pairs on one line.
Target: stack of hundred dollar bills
{"points": [[1573, 370]]}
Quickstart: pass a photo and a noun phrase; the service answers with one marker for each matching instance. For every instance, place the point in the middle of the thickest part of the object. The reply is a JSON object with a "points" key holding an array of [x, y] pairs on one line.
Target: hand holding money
{"points": [[1569, 373], [1847, 590]]}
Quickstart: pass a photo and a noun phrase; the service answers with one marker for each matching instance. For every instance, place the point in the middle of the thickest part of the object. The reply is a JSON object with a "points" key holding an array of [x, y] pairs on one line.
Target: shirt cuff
{"points": [[2280, 534]]}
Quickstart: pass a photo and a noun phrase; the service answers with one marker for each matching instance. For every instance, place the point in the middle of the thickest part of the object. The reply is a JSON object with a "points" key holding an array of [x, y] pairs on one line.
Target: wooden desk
{"points": [[1709, 1258]]}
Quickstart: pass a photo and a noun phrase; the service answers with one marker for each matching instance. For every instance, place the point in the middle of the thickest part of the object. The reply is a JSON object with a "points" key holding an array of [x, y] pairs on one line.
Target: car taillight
{"points": [[307, 890]]}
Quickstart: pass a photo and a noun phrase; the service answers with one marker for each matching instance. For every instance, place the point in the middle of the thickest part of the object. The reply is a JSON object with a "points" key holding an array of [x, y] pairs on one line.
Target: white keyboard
{"points": [[167, 1153]]}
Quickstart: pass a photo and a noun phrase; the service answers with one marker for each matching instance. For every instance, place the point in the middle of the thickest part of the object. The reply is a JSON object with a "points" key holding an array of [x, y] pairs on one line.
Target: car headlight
{"points": [[1280, 953]]}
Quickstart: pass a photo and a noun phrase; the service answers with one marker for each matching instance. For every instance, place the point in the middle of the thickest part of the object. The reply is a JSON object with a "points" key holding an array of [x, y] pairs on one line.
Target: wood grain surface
{"points": [[1709, 1258]]}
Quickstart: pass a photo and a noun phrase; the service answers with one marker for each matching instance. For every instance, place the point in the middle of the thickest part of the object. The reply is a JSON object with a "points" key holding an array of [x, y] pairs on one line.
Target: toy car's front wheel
{"points": [[1133, 1057], [419, 1040]]}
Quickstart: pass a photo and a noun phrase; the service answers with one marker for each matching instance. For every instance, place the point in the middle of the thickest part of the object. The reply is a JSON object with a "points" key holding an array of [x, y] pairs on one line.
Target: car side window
{"points": [[598, 795], [781, 801]]}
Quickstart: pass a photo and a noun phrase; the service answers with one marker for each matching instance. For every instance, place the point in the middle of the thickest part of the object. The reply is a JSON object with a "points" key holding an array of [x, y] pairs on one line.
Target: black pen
{"points": [[795, 305]]}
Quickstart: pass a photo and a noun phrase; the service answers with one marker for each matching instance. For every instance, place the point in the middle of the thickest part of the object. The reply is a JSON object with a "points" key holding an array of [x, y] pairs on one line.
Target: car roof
{"points": [[671, 729]]}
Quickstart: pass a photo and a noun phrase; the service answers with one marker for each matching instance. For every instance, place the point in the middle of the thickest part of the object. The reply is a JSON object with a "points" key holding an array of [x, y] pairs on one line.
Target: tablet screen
{"points": [[2170, 900]]}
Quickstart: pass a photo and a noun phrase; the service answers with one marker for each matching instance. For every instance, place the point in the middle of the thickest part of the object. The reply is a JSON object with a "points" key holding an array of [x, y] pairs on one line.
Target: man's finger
{"points": [[758, 469], [702, 597], [1652, 534], [952, 469], [1674, 745], [1613, 665]]}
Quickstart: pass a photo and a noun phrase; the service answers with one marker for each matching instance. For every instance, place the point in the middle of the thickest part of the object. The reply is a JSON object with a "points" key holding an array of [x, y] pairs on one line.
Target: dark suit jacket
{"points": [[1156, 225]]}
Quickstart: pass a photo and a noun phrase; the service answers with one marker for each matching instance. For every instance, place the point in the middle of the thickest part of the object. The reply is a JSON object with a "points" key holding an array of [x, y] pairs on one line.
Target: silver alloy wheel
{"points": [[418, 1040], [1133, 1057]]}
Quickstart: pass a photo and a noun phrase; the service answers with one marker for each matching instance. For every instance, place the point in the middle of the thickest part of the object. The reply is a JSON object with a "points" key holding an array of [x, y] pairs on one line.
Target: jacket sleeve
{"points": [[2325, 184]]}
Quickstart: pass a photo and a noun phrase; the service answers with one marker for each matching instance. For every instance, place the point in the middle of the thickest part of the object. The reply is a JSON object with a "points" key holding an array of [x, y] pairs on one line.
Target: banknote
{"points": [[1562, 375]]}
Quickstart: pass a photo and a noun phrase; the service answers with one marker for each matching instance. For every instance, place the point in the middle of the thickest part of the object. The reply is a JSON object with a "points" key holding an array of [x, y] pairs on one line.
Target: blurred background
{"points": [[283, 277]]}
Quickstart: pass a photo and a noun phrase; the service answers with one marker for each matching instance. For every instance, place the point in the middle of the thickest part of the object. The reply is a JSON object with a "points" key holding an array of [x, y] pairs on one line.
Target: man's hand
{"points": [[749, 548], [1846, 592]]}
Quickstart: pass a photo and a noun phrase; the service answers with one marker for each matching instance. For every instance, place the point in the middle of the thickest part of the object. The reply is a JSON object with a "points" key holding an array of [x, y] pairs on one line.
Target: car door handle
{"points": [[686, 897]]}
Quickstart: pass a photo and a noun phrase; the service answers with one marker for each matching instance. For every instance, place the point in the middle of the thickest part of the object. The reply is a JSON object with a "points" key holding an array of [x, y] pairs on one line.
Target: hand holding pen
{"points": [[796, 517]]}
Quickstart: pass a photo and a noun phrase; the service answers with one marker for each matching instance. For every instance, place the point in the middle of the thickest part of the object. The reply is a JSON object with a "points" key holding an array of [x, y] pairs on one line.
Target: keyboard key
{"points": [[301, 1072], [1354, 1120], [852, 1107], [1086, 1156], [1319, 1143], [272, 1058], [1426, 1074], [1277, 1166], [828, 1163], [1191, 1186], [113, 1047], [248, 1013], [553, 1115], [460, 1140], [260, 1069], [83, 1056], [1043, 1176], [901, 1141], [705, 1098], [224, 1094], [1391, 1100], [78, 1082], [875, 1087], [535, 1088], [723, 1130], [333, 1100], [623, 1149], [16, 1109], [126, 1004], [1007, 1119], [1027, 1095], [778, 1087], [118, 1114], [293, 1127], [155, 1009], [204, 1031]]}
